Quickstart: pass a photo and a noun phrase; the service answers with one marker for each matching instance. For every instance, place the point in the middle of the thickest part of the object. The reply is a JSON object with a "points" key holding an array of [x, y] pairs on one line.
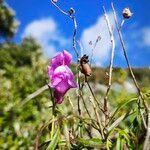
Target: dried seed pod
{"points": [[127, 13], [71, 11], [86, 69], [54, 1], [84, 66]]}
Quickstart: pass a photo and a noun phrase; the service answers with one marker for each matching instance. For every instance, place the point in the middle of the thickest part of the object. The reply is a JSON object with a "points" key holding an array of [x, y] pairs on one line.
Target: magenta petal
{"points": [[63, 78], [61, 70], [72, 83], [58, 97], [55, 81], [67, 58], [63, 58], [62, 87]]}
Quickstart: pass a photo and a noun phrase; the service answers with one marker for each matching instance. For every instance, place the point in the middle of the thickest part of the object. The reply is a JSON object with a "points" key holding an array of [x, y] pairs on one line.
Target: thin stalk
{"points": [[78, 95], [122, 23], [139, 108], [98, 118], [111, 61], [126, 57], [73, 18], [75, 26], [85, 104], [53, 126], [95, 44], [53, 100], [147, 138], [94, 97]]}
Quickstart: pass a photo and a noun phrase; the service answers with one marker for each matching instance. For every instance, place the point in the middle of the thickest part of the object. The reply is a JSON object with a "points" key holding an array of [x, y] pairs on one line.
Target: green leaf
{"points": [[55, 140], [118, 144], [108, 144], [126, 139], [117, 122], [120, 107], [94, 142]]}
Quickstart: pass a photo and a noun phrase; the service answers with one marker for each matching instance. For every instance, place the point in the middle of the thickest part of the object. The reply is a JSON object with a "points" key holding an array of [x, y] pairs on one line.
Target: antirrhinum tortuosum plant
{"points": [[89, 120]]}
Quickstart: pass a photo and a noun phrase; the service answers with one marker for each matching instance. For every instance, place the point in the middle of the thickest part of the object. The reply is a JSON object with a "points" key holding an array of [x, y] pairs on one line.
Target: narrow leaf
{"points": [[55, 140]]}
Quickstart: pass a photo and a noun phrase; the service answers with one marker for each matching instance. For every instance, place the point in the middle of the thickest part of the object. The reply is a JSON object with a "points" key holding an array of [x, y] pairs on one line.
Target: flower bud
{"points": [[126, 13]]}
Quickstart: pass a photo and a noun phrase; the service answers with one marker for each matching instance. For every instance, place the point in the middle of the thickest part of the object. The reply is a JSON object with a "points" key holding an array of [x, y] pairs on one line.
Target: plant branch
{"points": [[126, 57], [95, 44], [111, 60], [98, 103], [75, 25], [78, 93], [85, 104], [98, 118]]}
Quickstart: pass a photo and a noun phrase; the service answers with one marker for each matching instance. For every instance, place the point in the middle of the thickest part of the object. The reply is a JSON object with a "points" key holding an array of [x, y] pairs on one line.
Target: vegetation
{"points": [[36, 123], [9, 24]]}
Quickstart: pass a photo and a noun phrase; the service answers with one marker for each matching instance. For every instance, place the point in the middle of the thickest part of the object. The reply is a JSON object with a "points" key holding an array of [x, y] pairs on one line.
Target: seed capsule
{"points": [[86, 69], [127, 13], [71, 11], [84, 66]]}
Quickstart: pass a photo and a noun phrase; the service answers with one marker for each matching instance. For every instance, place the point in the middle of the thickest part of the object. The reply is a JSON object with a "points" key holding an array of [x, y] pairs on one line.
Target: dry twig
{"points": [[111, 60], [75, 25]]}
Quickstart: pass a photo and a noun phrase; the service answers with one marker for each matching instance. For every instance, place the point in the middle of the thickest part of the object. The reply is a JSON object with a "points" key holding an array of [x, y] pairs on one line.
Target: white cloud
{"points": [[47, 33], [146, 36], [141, 38], [103, 48]]}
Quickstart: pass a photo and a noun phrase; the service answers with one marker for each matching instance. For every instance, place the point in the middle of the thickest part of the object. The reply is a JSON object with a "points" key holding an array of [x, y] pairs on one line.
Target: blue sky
{"points": [[54, 30]]}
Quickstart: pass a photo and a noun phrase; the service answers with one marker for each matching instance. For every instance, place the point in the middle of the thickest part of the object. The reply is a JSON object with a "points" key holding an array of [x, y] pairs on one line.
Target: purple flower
{"points": [[62, 78]]}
